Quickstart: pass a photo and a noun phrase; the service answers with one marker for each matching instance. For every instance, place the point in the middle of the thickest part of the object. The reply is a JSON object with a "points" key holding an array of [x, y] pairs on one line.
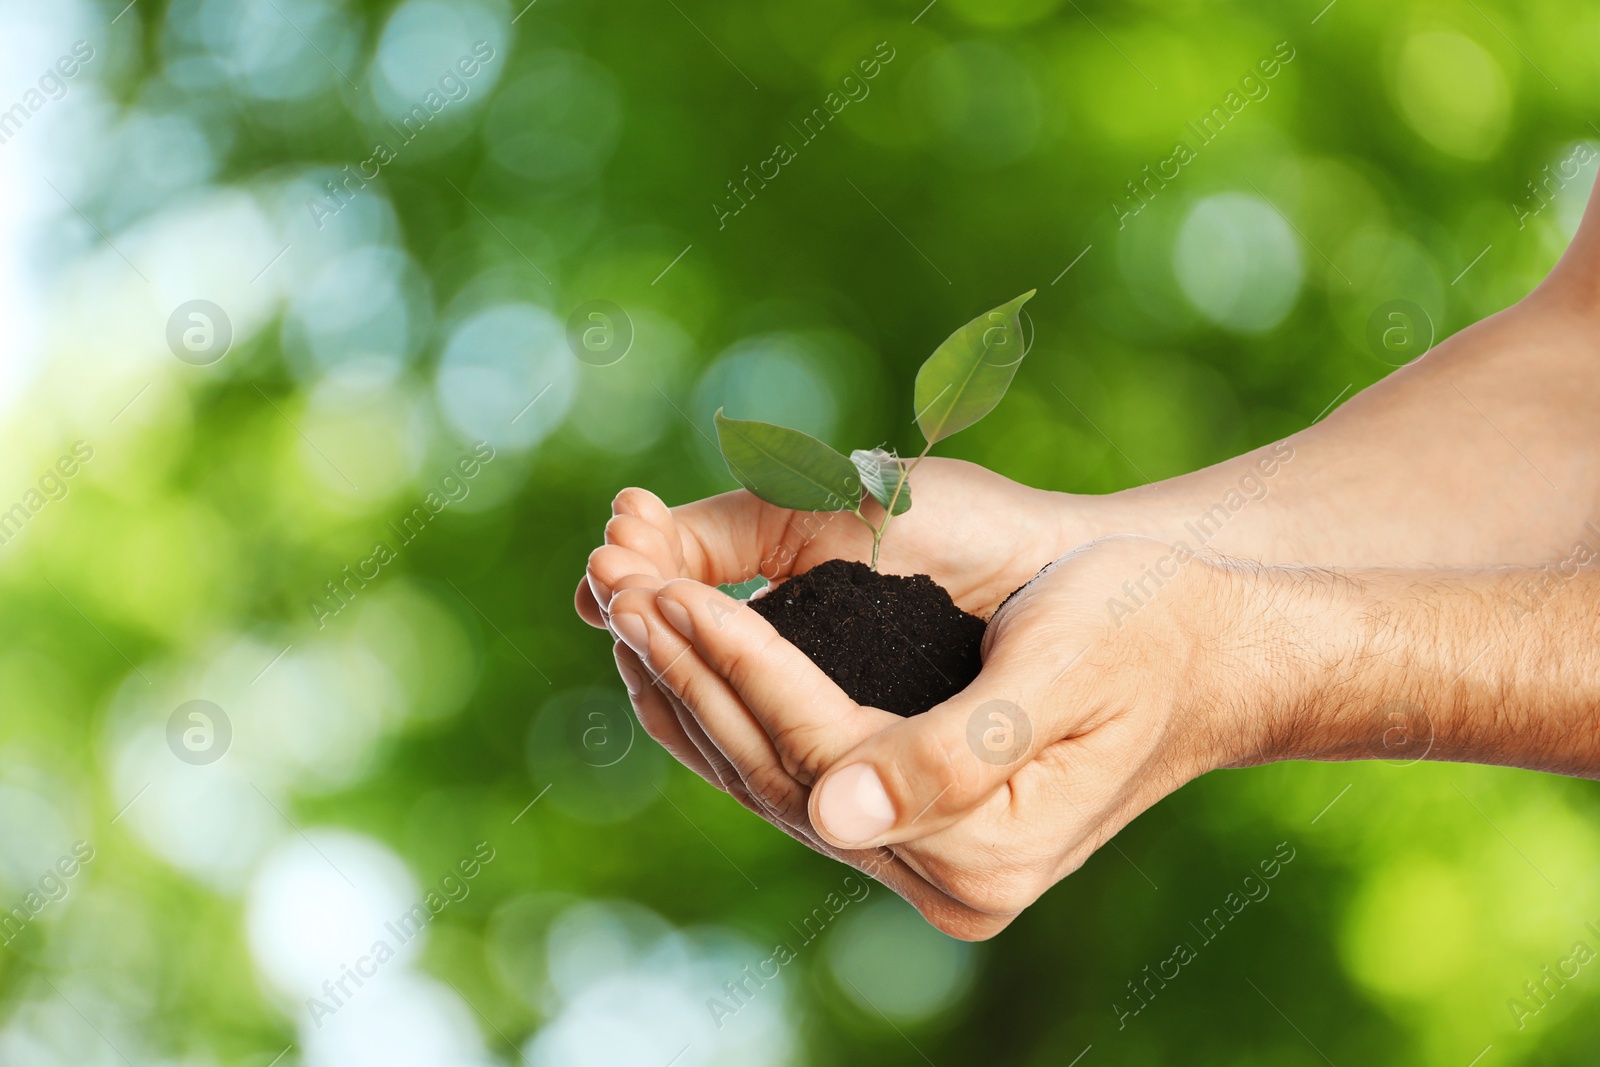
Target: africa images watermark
{"points": [[1255, 890], [403, 928], [854, 89], [453, 88], [1551, 579], [1252, 486], [999, 732], [1541, 992], [53, 485], [1566, 171], [810, 524], [742, 990], [53, 887], [1142, 191], [342, 588], [52, 86]]}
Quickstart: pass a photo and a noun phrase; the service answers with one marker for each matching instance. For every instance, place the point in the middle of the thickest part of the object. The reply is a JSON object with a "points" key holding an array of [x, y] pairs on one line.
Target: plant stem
{"points": [[888, 512], [877, 533]]}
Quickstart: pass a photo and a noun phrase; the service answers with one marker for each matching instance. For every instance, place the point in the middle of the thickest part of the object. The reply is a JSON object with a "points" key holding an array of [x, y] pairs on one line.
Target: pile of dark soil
{"points": [[889, 641]]}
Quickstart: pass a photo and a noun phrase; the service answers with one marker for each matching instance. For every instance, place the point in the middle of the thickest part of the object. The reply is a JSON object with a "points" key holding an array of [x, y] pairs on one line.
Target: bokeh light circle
{"points": [[1238, 262], [506, 376]]}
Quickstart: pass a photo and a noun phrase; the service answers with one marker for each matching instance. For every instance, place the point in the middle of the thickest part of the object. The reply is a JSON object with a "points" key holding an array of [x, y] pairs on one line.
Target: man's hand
{"points": [[1081, 718], [978, 534], [1479, 456], [1094, 703]]}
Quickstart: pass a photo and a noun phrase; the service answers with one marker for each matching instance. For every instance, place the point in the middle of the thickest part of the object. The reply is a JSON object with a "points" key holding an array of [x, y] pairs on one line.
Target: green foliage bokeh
{"points": [[605, 155]]}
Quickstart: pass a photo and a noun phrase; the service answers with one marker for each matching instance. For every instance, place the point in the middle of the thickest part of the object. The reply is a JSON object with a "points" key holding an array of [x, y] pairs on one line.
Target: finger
{"points": [[588, 607], [793, 822], [649, 518], [643, 504], [739, 737], [674, 664], [666, 719], [628, 581], [657, 716], [732, 538], [924, 773], [1004, 853], [945, 912], [609, 564], [808, 717], [634, 581], [736, 536], [724, 777], [727, 778], [906, 877], [647, 539]]}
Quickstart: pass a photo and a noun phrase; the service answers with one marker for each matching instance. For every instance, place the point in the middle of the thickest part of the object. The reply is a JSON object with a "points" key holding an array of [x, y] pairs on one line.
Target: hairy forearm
{"points": [[1497, 666], [1483, 452]]}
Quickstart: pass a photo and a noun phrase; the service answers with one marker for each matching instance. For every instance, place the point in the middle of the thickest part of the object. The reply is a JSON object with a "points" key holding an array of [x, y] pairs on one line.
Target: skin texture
{"points": [[1413, 577]]}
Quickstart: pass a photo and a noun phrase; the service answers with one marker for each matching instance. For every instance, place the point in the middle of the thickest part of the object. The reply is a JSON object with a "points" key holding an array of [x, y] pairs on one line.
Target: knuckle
{"points": [[743, 657], [772, 788], [689, 686], [611, 562], [804, 749], [634, 533], [641, 502], [737, 791], [877, 863], [618, 528], [638, 599], [722, 774], [627, 501]]}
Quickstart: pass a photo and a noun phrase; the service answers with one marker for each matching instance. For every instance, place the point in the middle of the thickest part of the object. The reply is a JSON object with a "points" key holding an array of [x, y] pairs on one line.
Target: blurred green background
{"points": [[352, 758]]}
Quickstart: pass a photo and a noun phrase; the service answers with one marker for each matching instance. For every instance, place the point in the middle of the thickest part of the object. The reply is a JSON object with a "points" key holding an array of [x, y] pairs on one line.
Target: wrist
{"points": [[1298, 646], [1145, 511], [1227, 510]]}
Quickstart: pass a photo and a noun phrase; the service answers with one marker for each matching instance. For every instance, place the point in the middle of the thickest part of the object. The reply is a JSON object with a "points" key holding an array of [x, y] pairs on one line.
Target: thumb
{"points": [[926, 772], [923, 774]]}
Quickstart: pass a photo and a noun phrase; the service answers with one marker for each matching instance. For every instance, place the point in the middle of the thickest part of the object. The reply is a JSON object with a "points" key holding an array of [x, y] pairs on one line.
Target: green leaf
{"points": [[880, 473], [967, 375], [786, 467]]}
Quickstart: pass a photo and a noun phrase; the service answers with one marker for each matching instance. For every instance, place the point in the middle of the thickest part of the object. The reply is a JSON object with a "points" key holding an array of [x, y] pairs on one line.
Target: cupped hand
{"points": [[978, 534], [1081, 718]]}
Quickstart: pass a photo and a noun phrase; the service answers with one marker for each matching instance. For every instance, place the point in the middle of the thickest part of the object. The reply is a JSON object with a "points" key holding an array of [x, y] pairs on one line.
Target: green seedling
{"points": [[959, 384]]}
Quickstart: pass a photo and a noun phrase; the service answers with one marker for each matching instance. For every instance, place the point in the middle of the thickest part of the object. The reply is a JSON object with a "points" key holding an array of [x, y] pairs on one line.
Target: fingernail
{"points": [[600, 591], [677, 615], [631, 629], [854, 807], [630, 675]]}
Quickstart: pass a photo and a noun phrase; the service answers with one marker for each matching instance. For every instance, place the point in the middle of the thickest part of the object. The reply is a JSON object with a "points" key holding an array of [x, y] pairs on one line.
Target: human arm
{"points": [[1481, 454], [1104, 711]]}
